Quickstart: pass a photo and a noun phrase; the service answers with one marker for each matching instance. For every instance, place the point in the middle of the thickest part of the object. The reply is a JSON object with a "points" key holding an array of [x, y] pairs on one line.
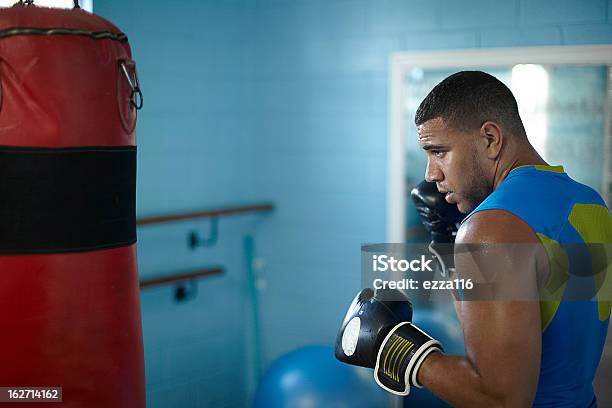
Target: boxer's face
{"points": [[455, 164]]}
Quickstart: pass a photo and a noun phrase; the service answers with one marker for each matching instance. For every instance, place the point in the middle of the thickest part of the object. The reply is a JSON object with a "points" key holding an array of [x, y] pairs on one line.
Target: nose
{"points": [[433, 172]]}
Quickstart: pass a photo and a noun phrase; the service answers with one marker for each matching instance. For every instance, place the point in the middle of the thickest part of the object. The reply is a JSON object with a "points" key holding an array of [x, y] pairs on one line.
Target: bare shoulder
{"points": [[495, 226], [502, 250]]}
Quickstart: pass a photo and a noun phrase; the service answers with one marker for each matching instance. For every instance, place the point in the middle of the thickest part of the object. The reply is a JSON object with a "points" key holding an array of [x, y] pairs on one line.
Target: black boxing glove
{"points": [[378, 334], [441, 219]]}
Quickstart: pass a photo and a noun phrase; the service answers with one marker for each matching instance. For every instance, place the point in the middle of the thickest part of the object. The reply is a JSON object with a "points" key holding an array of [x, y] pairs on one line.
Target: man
{"points": [[518, 353]]}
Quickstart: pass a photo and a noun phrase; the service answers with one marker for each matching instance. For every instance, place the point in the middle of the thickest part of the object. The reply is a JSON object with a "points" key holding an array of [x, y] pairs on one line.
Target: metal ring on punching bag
{"points": [[129, 95]]}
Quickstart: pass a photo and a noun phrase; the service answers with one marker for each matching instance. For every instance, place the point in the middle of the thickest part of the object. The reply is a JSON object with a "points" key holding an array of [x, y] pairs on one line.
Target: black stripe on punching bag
{"points": [[67, 199]]}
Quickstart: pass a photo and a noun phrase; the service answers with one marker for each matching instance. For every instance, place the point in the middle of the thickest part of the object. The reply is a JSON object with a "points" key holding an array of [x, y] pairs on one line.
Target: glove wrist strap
{"points": [[400, 357]]}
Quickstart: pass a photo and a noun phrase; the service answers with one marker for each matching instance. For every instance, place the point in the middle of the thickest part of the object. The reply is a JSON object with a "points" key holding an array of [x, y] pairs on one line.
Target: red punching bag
{"points": [[69, 296]]}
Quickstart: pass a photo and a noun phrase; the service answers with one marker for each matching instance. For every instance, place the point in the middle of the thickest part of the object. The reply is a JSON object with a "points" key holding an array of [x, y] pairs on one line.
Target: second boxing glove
{"points": [[377, 334]]}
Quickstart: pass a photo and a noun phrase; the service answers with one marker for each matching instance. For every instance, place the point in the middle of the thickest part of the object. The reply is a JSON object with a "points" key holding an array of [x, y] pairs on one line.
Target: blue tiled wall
{"points": [[252, 100]]}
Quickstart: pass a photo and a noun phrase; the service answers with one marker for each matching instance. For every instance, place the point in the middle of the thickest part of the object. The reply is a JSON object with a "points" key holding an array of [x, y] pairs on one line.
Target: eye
{"points": [[437, 153]]}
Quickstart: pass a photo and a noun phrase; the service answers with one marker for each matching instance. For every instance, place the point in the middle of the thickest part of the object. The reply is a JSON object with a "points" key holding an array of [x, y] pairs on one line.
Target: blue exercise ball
{"points": [[445, 328], [312, 377]]}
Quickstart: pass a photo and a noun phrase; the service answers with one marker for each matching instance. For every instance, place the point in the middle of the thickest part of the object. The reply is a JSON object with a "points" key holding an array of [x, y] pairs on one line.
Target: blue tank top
{"points": [[562, 211]]}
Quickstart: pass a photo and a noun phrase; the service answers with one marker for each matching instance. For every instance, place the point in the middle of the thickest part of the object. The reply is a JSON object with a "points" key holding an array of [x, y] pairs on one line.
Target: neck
{"points": [[522, 156]]}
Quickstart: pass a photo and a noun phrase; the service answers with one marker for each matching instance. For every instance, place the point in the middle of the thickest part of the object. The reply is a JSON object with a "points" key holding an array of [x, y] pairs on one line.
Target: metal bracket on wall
{"points": [[186, 290], [194, 239], [185, 283]]}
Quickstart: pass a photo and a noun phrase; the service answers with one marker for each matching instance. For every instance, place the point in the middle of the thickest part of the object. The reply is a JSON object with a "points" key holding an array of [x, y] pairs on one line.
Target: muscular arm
{"points": [[502, 338]]}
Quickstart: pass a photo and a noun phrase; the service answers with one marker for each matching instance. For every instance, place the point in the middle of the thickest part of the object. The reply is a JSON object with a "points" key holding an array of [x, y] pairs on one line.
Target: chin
{"points": [[464, 207]]}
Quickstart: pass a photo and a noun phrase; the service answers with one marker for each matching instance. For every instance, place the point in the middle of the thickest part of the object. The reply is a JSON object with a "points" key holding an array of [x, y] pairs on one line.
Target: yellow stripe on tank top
{"points": [[594, 225], [552, 291]]}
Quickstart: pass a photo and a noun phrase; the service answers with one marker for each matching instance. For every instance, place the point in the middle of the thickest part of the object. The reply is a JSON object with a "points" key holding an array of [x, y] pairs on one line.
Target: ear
{"points": [[493, 138]]}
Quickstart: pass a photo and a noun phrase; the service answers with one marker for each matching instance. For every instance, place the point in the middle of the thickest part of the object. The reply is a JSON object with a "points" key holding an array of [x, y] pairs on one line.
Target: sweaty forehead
{"points": [[434, 131]]}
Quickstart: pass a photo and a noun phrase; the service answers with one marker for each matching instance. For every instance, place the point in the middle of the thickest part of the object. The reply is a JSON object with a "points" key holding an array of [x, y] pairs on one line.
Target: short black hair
{"points": [[467, 99]]}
